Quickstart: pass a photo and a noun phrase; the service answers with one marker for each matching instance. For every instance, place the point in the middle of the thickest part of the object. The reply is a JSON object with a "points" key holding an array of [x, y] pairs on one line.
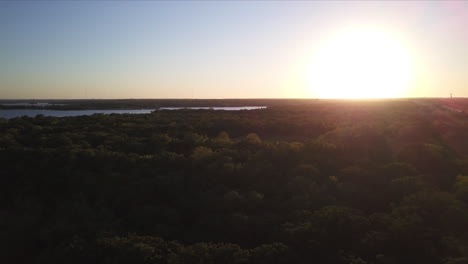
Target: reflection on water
{"points": [[12, 113], [228, 108]]}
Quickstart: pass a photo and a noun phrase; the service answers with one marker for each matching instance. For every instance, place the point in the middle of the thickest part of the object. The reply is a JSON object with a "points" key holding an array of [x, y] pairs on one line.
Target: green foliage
{"points": [[461, 188], [253, 139], [321, 182]]}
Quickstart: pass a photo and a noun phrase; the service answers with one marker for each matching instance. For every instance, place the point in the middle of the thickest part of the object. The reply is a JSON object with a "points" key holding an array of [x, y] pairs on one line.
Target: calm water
{"points": [[230, 108], [12, 113]]}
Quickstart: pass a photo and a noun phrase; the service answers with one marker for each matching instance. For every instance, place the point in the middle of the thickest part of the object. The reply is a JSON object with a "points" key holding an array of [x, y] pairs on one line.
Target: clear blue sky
{"points": [[129, 49]]}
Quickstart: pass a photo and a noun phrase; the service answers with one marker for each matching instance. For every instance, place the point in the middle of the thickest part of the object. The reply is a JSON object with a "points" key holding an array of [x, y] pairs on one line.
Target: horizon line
{"points": [[251, 98]]}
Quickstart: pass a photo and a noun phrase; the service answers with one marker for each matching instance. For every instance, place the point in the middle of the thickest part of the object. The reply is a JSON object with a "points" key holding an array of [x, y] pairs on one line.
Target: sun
{"points": [[361, 63]]}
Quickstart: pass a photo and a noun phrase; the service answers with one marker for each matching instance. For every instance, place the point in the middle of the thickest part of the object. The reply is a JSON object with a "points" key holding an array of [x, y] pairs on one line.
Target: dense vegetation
{"points": [[316, 182]]}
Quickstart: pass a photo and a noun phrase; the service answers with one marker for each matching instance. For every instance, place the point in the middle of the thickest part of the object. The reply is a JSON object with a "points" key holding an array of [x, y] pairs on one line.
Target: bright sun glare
{"points": [[363, 63]]}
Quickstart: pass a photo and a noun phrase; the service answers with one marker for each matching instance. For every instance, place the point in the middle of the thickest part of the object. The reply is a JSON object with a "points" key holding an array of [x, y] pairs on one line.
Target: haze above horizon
{"points": [[294, 49]]}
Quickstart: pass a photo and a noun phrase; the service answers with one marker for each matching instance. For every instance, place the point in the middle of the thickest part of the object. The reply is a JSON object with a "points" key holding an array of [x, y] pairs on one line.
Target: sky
{"points": [[209, 49]]}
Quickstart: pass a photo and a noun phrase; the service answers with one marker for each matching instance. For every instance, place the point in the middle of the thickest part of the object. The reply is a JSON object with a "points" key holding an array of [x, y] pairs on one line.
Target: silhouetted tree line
{"points": [[336, 182], [92, 104]]}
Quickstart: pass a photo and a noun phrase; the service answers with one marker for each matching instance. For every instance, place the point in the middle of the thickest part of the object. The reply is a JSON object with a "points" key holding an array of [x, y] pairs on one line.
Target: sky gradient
{"points": [[127, 49]]}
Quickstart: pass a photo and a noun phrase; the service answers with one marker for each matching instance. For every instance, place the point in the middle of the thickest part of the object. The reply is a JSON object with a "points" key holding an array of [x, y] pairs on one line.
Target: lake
{"points": [[227, 108], [12, 113]]}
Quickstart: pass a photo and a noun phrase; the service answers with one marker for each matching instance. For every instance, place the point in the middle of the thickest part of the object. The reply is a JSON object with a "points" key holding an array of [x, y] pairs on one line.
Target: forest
{"points": [[306, 181]]}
